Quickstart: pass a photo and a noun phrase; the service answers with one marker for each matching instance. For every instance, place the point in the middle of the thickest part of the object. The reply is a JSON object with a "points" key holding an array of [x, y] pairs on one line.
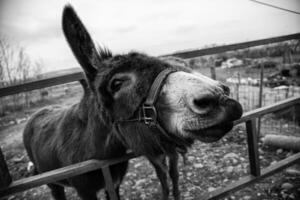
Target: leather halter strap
{"points": [[156, 86], [147, 113]]}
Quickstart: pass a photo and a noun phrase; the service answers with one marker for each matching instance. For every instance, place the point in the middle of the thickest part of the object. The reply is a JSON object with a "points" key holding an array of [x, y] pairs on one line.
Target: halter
{"points": [[147, 112]]}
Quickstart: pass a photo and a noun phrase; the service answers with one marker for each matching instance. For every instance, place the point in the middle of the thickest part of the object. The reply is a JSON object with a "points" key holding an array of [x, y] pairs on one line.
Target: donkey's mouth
{"points": [[213, 133]]}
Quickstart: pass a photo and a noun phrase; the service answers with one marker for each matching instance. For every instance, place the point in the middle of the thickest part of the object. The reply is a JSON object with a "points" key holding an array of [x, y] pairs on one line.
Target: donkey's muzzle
{"points": [[233, 109]]}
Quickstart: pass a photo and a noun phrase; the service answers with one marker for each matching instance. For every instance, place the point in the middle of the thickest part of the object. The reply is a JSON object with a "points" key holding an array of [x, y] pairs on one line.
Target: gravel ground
{"points": [[208, 167]]}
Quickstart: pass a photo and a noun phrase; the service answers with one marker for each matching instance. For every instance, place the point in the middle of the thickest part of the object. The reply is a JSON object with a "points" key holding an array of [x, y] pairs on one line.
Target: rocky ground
{"points": [[208, 167]]}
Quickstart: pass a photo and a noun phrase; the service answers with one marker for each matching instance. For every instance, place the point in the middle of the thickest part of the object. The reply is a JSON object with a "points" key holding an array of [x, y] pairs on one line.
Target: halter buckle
{"points": [[149, 114]]}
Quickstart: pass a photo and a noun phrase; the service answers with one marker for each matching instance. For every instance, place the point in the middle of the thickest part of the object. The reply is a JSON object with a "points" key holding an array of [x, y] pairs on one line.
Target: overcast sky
{"points": [[154, 27]]}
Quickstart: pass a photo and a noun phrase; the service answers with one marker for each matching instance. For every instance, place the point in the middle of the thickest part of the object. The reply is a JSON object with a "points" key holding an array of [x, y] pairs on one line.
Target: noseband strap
{"points": [[147, 112]]}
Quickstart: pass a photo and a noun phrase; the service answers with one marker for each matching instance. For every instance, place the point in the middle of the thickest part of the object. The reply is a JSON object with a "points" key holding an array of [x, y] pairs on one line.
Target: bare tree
{"points": [[15, 68]]}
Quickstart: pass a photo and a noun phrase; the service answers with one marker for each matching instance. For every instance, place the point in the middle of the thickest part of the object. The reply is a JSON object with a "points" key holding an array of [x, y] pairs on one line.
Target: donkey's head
{"points": [[189, 105]]}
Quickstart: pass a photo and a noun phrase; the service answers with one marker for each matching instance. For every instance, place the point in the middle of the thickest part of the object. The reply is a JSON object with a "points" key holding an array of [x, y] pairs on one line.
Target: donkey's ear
{"points": [[80, 42]]}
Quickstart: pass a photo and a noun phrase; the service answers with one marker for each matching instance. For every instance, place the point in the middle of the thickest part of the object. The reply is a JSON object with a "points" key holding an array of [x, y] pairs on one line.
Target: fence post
{"points": [[252, 141], [261, 84], [213, 72], [5, 178], [109, 185], [238, 86], [260, 95]]}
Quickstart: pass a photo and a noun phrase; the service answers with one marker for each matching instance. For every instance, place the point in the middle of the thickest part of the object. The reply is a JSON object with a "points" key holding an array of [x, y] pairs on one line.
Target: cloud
{"points": [[126, 29], [32, 31], [184, 29]]}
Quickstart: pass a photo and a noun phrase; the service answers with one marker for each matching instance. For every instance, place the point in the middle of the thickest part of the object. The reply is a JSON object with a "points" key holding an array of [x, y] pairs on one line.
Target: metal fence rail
{"points": [[256, 173], [232, 47], [60, 174]]}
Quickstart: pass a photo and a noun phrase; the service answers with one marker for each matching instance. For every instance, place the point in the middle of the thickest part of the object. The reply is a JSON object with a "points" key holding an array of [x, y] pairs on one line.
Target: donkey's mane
{"points": [[104, 53]]}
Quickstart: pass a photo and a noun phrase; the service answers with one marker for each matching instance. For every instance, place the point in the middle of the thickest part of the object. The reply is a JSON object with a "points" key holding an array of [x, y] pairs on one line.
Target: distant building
{"points": [[232, 62]]}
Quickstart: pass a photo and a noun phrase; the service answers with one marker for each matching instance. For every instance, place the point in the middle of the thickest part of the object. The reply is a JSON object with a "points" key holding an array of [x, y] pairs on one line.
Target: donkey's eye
{"points": [[116, 85]]}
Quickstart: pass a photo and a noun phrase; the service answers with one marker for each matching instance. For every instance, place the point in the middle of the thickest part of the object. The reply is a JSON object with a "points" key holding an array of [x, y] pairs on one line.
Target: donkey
{"points": [[112, 117]]}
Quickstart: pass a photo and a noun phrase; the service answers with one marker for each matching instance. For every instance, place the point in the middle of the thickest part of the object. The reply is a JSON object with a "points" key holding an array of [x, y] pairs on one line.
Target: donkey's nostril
{"points": [[203, 103]]}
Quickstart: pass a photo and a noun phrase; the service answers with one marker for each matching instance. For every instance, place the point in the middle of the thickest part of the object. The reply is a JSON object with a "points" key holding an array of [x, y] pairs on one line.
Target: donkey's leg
{"points": [[159, 164], [85, 188], [87, 195], [57, 191], [117, 192], [173, 172]]}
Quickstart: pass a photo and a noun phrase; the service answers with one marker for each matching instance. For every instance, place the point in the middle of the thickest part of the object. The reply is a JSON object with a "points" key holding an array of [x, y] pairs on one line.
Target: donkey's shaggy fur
{"points": [[114, 89]]}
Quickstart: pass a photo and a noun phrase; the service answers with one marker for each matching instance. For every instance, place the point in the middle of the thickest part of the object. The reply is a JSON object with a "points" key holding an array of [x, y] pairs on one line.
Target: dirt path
{"points": [[11, 135]]}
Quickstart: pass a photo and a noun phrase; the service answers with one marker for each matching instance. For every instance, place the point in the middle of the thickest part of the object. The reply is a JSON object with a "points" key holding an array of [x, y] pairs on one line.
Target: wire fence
{"points": [[249, 95]]}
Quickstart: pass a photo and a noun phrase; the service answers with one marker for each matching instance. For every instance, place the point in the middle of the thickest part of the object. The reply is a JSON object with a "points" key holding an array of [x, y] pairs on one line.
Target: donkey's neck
{"points": [[98, 129]]}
